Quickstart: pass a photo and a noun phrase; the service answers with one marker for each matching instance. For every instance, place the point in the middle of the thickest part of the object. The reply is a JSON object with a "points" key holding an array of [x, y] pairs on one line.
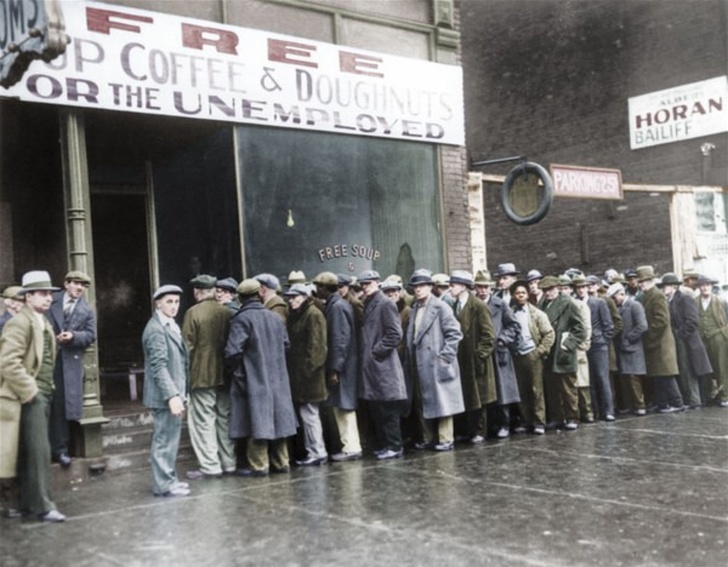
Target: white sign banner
{"points": [[681, 113], [132, 60]]}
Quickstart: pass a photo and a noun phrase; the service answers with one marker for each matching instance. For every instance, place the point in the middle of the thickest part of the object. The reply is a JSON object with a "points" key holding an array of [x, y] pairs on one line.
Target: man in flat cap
{"points": [[713, 326], [534, 293], [166, 382], [205, 329], [269, 288], [261, 404], [74, 324], [226, 294], [13, 301], [28, 351]]}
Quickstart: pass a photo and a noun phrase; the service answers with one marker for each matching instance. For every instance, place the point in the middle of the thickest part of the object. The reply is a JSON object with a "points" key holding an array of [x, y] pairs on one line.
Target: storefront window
{"points": [[321, 202]]}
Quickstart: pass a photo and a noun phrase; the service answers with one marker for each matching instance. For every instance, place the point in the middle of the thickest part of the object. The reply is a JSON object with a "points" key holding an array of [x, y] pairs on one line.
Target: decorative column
{"points": [[79, 244]]}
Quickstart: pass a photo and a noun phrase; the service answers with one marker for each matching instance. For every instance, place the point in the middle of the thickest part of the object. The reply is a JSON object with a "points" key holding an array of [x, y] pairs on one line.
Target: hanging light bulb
{"points": [[290, 222]]}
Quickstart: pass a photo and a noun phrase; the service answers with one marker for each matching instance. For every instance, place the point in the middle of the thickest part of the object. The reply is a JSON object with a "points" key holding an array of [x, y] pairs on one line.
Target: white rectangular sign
{"points": [[586, 182], [125, 59], [681, 113]]}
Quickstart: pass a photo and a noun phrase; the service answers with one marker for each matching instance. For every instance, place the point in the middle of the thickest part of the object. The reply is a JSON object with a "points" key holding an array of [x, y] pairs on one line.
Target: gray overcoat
{"points": [[630, 351], [343, 352], [507, 336], [260, 395], [432, 358]]}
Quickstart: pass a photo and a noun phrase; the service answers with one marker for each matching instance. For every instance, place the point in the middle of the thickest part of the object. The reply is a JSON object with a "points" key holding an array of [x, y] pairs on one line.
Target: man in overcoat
{"points": [[306, 361], [534, 345], [432, 339], [342, 365], [713, 328], [692, 359], [205, 329], [561, 365], [27, 352], [659, 344], [74, 324], [166, 383], [474, 353], [382, 378], [630, 351], [261, 404]]}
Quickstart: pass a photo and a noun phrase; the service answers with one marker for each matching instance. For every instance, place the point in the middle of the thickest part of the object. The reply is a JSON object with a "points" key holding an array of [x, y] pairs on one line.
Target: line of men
{"points": [[463, 358]]}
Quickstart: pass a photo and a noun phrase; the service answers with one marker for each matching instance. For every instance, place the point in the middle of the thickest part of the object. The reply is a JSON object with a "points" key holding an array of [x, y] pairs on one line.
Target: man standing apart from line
{"points": [[166, 378], [433, 335], [27, 352], [714, 332], [74, 324], [205, 329], [342, 364]]}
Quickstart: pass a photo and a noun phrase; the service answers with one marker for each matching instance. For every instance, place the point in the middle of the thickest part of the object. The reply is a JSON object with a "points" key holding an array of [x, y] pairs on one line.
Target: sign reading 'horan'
{"points": [[586, 182], [681, 113], [138, 61]]}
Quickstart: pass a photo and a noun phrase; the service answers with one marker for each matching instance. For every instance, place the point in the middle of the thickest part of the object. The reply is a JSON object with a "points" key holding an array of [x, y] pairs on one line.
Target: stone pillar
{"points": [[77, 213]]}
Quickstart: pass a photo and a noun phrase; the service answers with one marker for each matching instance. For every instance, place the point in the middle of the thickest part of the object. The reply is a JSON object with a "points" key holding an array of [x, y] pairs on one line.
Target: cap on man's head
{"points": [[78, 276], [421, 277], [614, 289], [326, 278], [228, 284], [593, 280], [249, 286], [167, 289], [462, 277], [37, 280], [706, 280], [564, 280], [630, 273], [533, 275], [344, 279], [203, 281], [441, 280], [548, 282], [395, 277], [13, 292], [269, 281], [369, 276], [389, 285], [296, 289]]}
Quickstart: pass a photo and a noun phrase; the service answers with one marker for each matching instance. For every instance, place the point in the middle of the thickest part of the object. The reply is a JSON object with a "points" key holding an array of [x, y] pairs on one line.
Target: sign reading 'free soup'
{"points": [[132, 60]]}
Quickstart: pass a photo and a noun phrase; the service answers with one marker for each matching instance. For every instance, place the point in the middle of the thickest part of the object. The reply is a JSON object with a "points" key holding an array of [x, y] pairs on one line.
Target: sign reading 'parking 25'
{"points": [[138, 61]]}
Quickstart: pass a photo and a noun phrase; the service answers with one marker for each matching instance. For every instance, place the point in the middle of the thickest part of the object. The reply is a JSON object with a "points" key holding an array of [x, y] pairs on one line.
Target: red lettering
{"points": [[225, 41], [100, 21], [287, 52], [359, 64]]}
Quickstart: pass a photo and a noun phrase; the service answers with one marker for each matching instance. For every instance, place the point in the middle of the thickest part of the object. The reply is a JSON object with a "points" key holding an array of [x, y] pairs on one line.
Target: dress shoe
{"points": [[477, 439], [54, 516], [667, 409], [389, 454], [197, 475], [280, 470], [313, 462], [539, 430], [503, 432], [63, 459], [640, 412], [609, 417], [571, 426], [446, 446], [341, 457], [176, 490], [724, 404], [520, 429], [183, 485], [252, 473]]}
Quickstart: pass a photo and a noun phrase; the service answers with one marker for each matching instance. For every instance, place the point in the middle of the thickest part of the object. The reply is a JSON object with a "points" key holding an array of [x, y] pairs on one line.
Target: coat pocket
{"points": [[445, 371]]}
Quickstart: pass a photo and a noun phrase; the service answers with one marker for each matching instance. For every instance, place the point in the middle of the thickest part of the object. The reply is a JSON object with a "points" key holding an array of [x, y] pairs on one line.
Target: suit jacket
{"points": [[166, 364], [21, 353], [69, 366]]}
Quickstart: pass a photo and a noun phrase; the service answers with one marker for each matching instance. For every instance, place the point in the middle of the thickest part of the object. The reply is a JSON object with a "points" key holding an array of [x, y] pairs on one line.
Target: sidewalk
{"points": [[641, 491]]}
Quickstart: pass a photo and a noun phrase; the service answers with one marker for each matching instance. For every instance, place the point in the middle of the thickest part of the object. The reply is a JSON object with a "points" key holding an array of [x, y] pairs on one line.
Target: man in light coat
{"points": [[433, 335], [166, 382], [74, 324]]}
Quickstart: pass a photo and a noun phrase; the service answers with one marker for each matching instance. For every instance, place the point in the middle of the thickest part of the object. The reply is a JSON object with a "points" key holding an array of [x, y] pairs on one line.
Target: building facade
{"points": [[143, 161]]}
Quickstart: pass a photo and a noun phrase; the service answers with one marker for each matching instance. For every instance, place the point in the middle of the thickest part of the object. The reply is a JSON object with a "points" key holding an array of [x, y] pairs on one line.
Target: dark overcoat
{"points": [[684, 319], [306, 358], [570, 332], [630, 351], [382, 377], [205, 329], [507, 336], [260, 395], [342, 355], [82, 323], [475, 354], [432, 358], [660, 351]]}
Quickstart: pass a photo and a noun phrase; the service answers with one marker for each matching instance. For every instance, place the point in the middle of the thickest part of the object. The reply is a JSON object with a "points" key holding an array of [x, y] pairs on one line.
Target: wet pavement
{"points": [[642, 491]]}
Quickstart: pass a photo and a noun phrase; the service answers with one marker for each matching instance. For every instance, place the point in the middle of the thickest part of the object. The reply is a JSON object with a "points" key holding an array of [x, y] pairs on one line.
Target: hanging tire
{"points": [[528, 167]]}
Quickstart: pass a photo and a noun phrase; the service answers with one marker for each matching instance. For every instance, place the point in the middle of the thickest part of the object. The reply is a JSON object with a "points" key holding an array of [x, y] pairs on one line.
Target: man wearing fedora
{"points": [[166, 383], [659, 344], [74, 324], [713, 327], [474, 353], [535, 294], [433, 335], [28, 352], [505, 275], [692, 359], [483, 285]]}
